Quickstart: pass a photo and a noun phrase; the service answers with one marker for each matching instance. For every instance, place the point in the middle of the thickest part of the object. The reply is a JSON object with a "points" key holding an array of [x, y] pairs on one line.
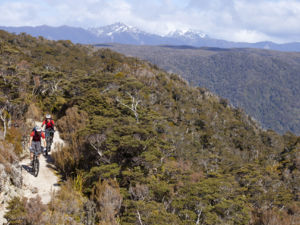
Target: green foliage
{"points": [[264, 83], [102, 172], [16, 211], [142, 212], [158, 149], [212, 199]]}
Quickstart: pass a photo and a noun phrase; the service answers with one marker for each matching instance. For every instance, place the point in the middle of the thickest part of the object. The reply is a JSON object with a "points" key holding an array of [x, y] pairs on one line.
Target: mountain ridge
{"points": [[132, 35]]}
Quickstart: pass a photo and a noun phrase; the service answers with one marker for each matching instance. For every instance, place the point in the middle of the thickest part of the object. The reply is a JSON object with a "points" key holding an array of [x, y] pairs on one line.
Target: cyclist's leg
{"points": [[39, 149], [33, 146], [31, 155], [52, 135], [33, 150], [46, 133]]}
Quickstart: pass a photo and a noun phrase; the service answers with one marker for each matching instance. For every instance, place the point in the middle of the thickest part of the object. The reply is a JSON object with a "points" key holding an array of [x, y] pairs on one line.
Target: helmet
{"points": [[38, 129], [48, 116]]}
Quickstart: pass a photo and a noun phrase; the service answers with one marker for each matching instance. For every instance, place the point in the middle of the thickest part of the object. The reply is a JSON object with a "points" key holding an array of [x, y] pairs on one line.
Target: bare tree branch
{"points": [[134, 104], [37, 84], [5, 117], [198, 217], [139, 217], [96, 141], [54, 86]]}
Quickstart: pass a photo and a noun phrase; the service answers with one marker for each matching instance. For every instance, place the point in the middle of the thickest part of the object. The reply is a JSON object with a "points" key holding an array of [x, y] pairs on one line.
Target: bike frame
{"points": [[35, 164]]}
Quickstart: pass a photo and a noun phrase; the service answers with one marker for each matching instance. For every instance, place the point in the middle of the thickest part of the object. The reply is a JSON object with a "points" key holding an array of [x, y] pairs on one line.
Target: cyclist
{"points": [[49, 126], [36, 137]]}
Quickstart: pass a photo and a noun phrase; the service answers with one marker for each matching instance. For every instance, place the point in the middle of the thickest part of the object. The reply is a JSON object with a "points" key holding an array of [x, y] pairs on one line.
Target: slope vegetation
{"points": [[144, 147], [264, 83]]}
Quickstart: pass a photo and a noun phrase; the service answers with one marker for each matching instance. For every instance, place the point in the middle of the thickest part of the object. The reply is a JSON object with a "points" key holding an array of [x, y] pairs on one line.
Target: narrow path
{"points": [[46, 182]]}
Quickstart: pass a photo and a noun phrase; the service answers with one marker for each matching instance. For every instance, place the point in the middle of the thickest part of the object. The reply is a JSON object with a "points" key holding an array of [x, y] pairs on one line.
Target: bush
{"points": [[69, 207], [109, 200], [23, 211]]}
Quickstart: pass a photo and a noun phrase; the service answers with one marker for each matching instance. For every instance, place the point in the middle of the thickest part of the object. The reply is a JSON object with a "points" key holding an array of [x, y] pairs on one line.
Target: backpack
{"points": [[51, 121], [36, 136]]}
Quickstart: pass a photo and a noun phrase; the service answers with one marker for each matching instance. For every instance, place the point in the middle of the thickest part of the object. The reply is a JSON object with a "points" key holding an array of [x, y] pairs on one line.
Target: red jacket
{"points": [[50, 124]]}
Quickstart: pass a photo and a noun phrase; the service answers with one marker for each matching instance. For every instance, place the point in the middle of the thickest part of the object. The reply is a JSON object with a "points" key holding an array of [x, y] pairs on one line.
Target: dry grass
{"points": [[109, 200], [7, 156], [33, 113], [275, 216], [69, 207], [73, 120]]}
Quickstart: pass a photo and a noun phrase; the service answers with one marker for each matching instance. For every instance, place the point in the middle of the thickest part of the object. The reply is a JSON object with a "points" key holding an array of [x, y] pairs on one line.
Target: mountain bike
{"points": [[35, 163], [49, 139]]}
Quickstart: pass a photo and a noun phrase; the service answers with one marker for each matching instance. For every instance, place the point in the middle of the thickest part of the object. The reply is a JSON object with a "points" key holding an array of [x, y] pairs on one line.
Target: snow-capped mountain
{"points": [[116, 28], [187, 34], [124, 34], [121, 33], [188, 37]]}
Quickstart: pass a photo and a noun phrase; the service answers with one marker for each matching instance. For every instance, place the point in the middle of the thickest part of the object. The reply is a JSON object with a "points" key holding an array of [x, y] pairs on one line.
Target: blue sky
{"points": [[235, 20]]}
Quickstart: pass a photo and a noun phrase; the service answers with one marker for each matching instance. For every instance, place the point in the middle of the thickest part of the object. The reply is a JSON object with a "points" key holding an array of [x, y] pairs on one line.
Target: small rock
{"points": [[17, 175], [34, 190]]}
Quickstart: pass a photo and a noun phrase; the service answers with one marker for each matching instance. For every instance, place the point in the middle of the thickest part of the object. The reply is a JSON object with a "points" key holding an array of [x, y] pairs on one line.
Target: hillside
{"points": [[143, 147], [264, 83]]}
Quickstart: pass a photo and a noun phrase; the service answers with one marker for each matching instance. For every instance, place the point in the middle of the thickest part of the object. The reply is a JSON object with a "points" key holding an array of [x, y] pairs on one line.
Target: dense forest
{"points": [[143, 147], [264, 83]]}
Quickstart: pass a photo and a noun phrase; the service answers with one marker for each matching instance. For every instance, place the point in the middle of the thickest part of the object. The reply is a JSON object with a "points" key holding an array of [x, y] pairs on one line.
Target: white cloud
{"points": [[17, 13], [250, 36], [271, 17], [237, 20], [276, 20]]}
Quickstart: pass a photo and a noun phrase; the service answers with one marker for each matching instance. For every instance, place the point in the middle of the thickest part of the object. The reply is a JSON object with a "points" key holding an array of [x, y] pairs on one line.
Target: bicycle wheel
{"points": [[51, 141], [48, 143], [32, 165], [36, 167], [47, 149]]}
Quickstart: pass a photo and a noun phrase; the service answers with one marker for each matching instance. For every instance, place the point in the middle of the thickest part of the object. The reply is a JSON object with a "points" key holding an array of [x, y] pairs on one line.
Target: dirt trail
{"points": [[46, 182]]}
